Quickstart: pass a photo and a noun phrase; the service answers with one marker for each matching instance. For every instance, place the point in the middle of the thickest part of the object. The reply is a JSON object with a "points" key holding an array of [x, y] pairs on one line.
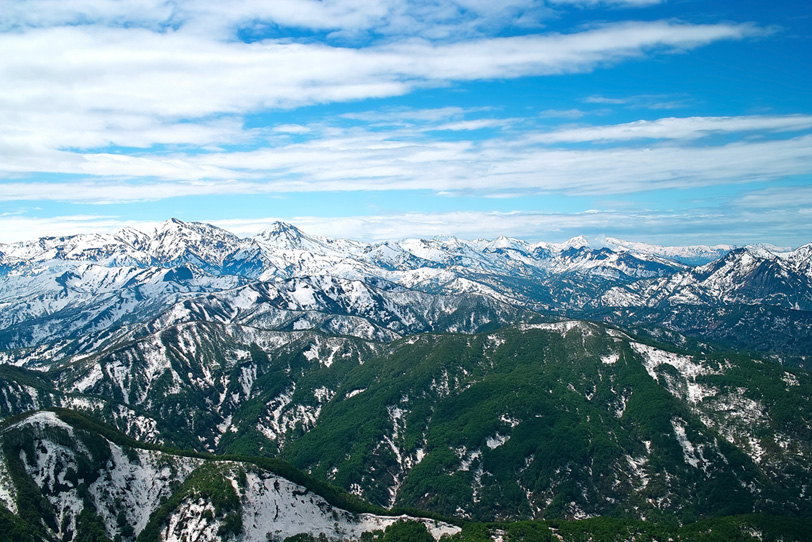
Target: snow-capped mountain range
{"points": [[59, 288], [285, 251]]}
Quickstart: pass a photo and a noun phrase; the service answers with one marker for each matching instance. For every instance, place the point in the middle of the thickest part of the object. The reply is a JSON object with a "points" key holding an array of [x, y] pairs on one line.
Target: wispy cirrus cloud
{"points": [[161, 73], [644, 101], [679, 128], [359, 159], [135, 87], [795, 198], [613, 3], [562, 114], [343, 19]]}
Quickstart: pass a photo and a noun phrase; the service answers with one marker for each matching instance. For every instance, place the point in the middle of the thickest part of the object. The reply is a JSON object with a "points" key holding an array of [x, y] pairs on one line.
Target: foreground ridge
{"points": [[566, 419], [91, 476], [129, 490]]}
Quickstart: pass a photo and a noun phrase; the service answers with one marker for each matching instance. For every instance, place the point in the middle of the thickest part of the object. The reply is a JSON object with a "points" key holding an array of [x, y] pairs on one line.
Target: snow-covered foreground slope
{"points": [[88, 480]]}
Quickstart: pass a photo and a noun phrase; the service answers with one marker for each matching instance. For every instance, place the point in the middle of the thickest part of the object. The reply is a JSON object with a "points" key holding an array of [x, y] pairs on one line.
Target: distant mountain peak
{"points": [[170, 224], [133, 237], [504, 241], [578, 241], [282, 235], [174, 226], [177, 224], [687, 254], [279, 227]]}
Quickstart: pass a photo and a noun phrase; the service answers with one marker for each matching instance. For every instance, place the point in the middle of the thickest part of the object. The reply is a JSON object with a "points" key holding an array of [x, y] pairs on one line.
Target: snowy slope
{"points": [[750, 276], [61, 290], [690, 255], [62, 299], [284, 251], [79, 471]]}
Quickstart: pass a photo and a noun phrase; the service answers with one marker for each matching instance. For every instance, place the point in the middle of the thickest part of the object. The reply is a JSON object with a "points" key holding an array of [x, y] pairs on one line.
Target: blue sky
{"points": [[665, 121]]}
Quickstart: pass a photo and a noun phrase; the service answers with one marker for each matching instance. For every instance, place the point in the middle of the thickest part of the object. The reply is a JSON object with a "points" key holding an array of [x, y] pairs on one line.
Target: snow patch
{"points": [[8, 494], [467, 458], [689, 451], [561, 327], [688, 368], [496, 441], [189, 522], [637, 465], [89, 379], [312, 352], [224, 426], [303, 296], [277, 405], [247, 377], [353, 393], [323, 394], [611, 358], [512, 422], [790, 379]]}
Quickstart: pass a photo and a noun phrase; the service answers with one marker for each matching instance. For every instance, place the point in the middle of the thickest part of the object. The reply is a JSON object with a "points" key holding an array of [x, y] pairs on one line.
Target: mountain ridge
{"points": [[160, 241], [60, 287], [119, 485]]}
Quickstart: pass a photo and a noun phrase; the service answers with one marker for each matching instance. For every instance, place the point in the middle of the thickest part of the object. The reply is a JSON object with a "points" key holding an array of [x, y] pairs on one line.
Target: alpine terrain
{"points": [[190, 384]]}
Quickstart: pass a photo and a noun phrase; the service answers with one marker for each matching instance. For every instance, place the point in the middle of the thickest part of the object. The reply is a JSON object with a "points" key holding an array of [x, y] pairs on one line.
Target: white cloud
{"points": [[605, 100], [344, 19], [408, 116], [478, 124], [357, 159], [135, 87], [100, 129], [126, 81], [554, 53], [44, 13], [655, 226], [562, 113], [625, 170], [292, 129], [779, 197], [644, 101], [678, 128], [618, 3], [25, 228]]}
